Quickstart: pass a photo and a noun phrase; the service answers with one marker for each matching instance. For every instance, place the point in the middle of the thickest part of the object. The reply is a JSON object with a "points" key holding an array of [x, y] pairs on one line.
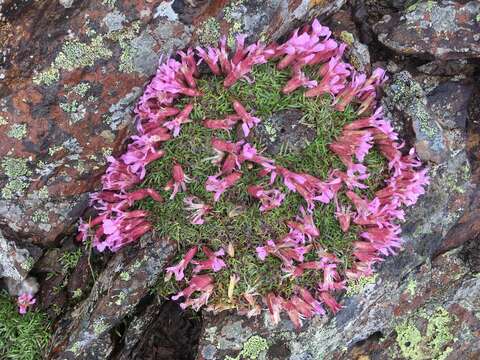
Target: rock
{"points": [[407, 97], [284, 132], [85, 333], [15, 262], [423, 303], [151, 334], [344, 29], [441, 30], [62, 114]]}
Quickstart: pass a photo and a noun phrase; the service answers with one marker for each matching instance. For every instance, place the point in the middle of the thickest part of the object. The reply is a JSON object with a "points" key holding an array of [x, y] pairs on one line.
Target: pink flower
{"points": [[179, 269], [198, 283], [270, 199], [24, 302], [299, 79], [182, 118], [222, 124], [304, 225], [198, 208], [178, 181], [343, 215], [257, 54], [310, 300], [118, 176], [350, 92], [213, 262], [121, 230], [274, 304], [330, 301], [210, 58], [249, 121], [169, 78], [218, 186]]}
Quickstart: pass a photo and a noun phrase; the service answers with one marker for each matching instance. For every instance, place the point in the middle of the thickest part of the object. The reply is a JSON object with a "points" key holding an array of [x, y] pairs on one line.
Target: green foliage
{"points": [[236, 218], [22, 337], [69, 260]]}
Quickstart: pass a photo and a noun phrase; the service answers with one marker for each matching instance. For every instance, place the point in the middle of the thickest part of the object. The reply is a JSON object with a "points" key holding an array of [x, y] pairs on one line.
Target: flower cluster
{"points": [[24, 302], [160, 119]]}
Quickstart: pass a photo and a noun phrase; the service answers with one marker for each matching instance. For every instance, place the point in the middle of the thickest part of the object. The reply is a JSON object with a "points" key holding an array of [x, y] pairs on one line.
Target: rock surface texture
{"points": [[70, 74]]}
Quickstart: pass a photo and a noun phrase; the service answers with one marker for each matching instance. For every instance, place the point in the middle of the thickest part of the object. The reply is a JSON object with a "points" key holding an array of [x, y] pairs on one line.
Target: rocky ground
{"points": [[70, 73]]}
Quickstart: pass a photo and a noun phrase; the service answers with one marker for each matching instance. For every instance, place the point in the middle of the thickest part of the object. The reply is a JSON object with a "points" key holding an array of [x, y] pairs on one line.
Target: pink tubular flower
{"points": [[350, 92], [218, 186], [178, 181], [343, 215], [210, 58], [121, 230], [274, 304], [169, 78], [24, 302], [182, 118], [310, 300], [213, 262], [222, 124], [257, 54], [199, 209], [200, 283], [178, 270], [270, 199], [299, 79], [304, 225], [249, 121], [118, 176], [328, 299]]}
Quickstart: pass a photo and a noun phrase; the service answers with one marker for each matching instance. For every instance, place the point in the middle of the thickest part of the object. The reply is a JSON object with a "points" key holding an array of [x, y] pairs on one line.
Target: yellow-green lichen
{"points": [[17, 171], [110, 3], [54, 149], [411, 287], [347, 37], [47, 77], [99, 327], [43, 193], [17, 131], [124, 38], [77, 293], [209, 32], [356, 286], [434, 344], [234, 18], [81, 89], [3, 121], [76, 54], [252, 349], [69, 107], [27, 264], [40, 216], [124, 276]]}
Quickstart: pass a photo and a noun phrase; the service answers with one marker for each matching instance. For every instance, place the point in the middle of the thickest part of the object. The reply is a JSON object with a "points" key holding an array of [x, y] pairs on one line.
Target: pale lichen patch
{"points": [[17, 131]]}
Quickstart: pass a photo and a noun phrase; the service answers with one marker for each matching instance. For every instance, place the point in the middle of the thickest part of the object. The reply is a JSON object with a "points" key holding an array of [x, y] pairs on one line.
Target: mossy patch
{"points": [[22, 337], [355, 287], [236, 219]]}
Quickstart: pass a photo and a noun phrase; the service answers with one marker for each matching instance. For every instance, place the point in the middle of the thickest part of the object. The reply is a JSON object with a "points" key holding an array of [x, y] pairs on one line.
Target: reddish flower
{"points": [[328, 299], [178, 181], [213, 262], [178, 270], [182, 118], [24, 302], [198, 208], [200, 283], [249, 121], [218, 186], [270, 199]]}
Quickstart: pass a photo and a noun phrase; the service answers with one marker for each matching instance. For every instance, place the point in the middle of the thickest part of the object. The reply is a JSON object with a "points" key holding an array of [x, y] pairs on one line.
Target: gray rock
{"points": [[443, 30], [125, 281]]}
